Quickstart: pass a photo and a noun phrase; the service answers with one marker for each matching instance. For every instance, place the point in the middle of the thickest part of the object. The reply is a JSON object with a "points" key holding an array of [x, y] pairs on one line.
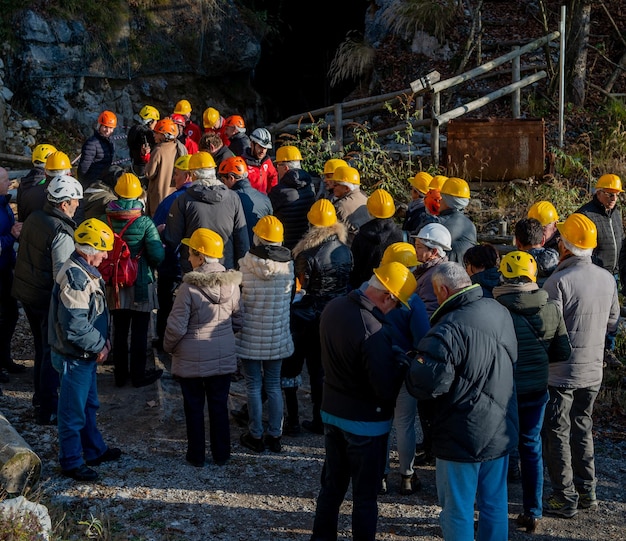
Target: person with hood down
{"points": [[97, 152], [31, 191], [200, 335], [374, 236], [131, 307], [265, 340], [455, 196], [323, 263], [481, 263], [210, 204], [293, 196]]}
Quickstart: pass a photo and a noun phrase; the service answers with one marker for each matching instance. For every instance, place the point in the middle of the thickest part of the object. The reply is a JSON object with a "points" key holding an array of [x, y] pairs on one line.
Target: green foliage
{"points": [[405, 17], [18, 527]]}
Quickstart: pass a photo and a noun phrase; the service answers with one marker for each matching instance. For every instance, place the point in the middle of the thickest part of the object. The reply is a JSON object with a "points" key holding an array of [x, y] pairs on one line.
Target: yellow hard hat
{"points": [[58, 161], [421, 182], [206, 242], [41, 153], [543, 211], [149, 113], [579, 231], [456, 187], [322, 213], [182, 162], [128, 186], [183, 107], [288, 154], [517, 263], [201, 160], [347, 174], [331, 165], [609, 182], [380, 204], [95, 233], [401, 252], [398, 280], [269, 228], [210, 117], [437, 182]]}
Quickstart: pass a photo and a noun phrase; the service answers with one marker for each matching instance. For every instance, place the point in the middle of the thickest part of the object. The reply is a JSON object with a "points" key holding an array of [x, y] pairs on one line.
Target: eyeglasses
{"points": [[610, 195]]}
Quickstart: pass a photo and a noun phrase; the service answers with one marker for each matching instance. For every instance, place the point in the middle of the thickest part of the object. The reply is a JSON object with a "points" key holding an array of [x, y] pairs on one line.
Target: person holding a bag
{"points": [[132, 305]]}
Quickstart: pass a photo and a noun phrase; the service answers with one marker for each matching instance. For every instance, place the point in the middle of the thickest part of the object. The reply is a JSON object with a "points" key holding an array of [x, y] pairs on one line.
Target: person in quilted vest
{"points": [[132, 306], [200, 335], [265, 340]]}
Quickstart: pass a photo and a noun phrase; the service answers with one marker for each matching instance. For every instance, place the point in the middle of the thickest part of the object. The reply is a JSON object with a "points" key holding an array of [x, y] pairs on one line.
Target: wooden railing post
{"points": [[516, 95], [434, 128]]}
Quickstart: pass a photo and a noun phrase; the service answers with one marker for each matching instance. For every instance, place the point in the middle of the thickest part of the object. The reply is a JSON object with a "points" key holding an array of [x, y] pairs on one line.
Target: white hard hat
{"points": [[261, 137], [63, 187], [435, 236]]}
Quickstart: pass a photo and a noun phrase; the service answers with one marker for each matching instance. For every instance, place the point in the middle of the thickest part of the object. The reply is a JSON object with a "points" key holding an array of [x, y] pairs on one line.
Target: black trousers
{"points": [[137, 323]]}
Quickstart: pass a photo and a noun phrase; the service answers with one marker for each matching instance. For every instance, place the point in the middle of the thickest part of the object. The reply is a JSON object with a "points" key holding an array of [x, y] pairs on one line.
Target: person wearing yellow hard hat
{"points": [[419, 188], [349, 199], [77, 302], [455, 196], [322, 266], [160, 167], [131, 307], [191, 129], [545, 213], [140, 138], [471, 345], [200, 335], [265, 338], [294, 194], [374, 236], [214, 122], [588, 295], [31, 191], [362, 376], [325, 190]]}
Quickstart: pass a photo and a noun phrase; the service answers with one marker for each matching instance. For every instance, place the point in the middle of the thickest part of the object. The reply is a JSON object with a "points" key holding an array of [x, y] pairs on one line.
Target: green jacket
{"points": [[141, 236], [541, 334]]}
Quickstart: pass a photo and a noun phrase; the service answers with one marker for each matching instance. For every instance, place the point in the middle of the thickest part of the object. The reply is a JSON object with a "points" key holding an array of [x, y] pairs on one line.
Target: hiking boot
{"points": [[410, 484], [111, 454], [316, 427], [273, 444], [82, 473], [252, 443], [528, 522], [556, 505], [149, 377], [587, 500], [383, 486]]}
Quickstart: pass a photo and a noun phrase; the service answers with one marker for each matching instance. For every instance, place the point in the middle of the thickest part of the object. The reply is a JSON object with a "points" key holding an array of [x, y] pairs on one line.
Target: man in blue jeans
{"points": [[465, 365], [78, 335], [361, 382]]}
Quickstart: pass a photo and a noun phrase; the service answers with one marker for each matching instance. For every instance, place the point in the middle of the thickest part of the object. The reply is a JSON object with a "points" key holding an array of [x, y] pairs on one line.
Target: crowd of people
{"points": [[251, 265]]}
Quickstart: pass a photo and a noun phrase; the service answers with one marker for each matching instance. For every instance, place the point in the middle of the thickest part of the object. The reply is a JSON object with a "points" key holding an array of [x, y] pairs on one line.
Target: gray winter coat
{"points": [[587, 295], [201, 327]]}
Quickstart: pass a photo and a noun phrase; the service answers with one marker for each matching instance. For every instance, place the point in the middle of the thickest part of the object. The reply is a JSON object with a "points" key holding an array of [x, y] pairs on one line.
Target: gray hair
{"points": [[452, 275], [376, 283], [353, 187], [293, 164], [57, 172], [86, 249], [575, 250], [206, 176]]}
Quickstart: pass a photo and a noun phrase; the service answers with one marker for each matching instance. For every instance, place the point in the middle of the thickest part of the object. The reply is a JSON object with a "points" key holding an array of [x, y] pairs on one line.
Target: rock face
{"points": [[68, 72]]}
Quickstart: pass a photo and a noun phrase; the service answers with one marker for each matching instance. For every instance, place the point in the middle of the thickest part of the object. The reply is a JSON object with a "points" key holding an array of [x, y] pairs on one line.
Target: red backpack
{"points": [[119, 269]]}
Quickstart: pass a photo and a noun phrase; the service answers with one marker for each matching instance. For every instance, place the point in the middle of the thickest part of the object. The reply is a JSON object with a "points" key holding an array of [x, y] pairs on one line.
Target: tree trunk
{"points": [[20, 467], [577, 39]]}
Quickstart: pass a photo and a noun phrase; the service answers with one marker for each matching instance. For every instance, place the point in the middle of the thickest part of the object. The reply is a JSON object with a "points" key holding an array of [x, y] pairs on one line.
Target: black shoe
{"points": [[514, 475], [82, 473], [46, 419], [528, 522], [241, 416], [149, 378], [316, 427], [410, 484], [195, 463], [252, 443], [111, 454], [273, 444], [14, 368], [4, 377]]}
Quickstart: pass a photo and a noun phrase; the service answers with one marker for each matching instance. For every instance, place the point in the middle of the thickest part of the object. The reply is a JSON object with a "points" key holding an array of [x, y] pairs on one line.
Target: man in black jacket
{"points": [[465, 363], [361, 383]]}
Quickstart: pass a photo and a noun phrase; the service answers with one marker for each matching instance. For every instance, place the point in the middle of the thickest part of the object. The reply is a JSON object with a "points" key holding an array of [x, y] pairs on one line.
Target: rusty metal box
{"points": [[496, 149]]}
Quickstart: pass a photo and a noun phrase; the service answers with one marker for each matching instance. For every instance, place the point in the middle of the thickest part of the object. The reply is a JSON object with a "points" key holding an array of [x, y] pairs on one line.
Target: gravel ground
{"points": [[153, 494]]}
